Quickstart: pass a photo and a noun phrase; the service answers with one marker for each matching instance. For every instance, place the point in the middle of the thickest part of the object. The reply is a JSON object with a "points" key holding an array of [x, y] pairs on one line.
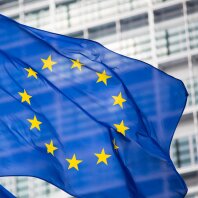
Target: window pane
{"points": [[168, 13], [134, 22], [170, 38], [38, 19], [102, 31], [181, 152]]}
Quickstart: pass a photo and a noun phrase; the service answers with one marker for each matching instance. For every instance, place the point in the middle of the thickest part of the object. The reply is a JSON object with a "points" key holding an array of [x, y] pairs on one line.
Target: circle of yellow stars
{"points": [[103, 77]]}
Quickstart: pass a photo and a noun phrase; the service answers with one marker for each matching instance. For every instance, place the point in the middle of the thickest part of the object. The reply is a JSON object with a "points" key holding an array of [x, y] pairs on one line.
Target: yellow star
{"points": [[119, 100], [31, 72], [25, 97], [102, 77], [48, 63], [77, 63], [114, 145], [35, 123], [121, 128], [102, 157], [73, 163], [51, 148]]}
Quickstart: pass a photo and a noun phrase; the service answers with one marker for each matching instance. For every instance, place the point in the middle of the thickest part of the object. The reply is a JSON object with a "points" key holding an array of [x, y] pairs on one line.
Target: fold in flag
{"points": [[88, 120], [5, 194]]}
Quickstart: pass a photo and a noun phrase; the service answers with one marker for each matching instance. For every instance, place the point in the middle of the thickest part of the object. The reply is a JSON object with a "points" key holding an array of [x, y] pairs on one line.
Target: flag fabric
{"points": [[88, 120], [4, 193]]}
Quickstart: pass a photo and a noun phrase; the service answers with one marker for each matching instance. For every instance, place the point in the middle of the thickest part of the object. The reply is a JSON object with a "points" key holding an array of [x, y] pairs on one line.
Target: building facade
{"points": [[163, 33]]}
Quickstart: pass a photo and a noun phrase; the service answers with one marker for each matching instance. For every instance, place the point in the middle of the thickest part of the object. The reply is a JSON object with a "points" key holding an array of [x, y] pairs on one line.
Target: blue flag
{"points": [[94, 123], [5, 194]]}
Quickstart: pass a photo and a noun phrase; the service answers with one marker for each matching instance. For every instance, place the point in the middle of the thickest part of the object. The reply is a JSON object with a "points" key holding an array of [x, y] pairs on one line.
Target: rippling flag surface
{"points": [[92, 122], [5, 194]]}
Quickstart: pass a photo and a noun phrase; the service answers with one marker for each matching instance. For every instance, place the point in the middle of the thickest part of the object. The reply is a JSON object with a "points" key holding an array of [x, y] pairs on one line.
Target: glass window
{"points": [[89, 10], [195, 148], [107, 8], [38, 19], [68, 14], [102, 31], [29, 1], [77, 34], [195, 76], [74, 14], [193, 30], [170, 38], [192, 6], [184, 151], [8, 4], [181, 152], [128, 5], [81, 12], [167, 13], [160, 1], [136, 43], [62, 18], [134, 22]]}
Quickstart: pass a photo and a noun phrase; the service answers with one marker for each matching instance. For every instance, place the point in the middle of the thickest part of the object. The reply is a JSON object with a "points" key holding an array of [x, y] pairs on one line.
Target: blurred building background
{"points": [[161, 32]]}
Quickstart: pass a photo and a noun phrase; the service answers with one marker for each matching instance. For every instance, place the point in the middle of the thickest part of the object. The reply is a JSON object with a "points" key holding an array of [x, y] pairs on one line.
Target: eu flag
{"points": [[94, 123]]}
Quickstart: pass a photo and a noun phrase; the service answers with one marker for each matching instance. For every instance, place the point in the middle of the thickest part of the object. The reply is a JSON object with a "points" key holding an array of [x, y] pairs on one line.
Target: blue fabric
{"points": [[78, 114], [5, 194]]}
